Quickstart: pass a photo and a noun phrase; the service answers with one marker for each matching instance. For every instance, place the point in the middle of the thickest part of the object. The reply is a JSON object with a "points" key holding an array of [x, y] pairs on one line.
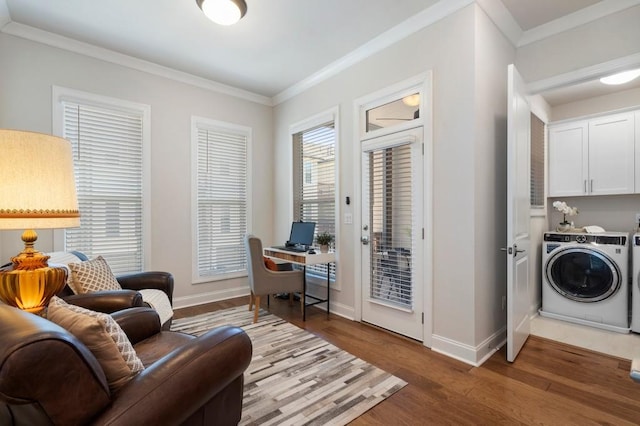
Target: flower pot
{"points": [[324, 248], [563, 227]]}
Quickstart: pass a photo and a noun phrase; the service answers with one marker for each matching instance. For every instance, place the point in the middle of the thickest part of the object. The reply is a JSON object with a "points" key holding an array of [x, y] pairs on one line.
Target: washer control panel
{"points": [[588, 238]]}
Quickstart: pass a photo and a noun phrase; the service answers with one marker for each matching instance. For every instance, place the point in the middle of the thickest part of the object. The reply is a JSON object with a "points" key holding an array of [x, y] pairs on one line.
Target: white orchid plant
{"points": [[563, 208]]}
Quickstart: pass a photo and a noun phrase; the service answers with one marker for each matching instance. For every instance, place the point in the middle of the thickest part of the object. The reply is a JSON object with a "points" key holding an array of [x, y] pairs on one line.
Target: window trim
{"points": [[62, 94], [198, 122]]}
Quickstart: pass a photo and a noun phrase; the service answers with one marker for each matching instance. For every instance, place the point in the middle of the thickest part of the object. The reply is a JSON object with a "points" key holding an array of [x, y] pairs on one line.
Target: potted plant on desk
{"points": [[324, 239]]}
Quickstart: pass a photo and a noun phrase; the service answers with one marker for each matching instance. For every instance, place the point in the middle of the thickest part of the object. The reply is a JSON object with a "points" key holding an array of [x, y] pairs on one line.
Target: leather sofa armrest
{"points": [[148, 279], [138, 323], [180, 383], [107, 301]]}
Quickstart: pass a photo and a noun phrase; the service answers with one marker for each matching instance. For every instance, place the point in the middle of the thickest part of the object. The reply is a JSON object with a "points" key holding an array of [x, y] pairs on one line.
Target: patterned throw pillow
{"points": [[102, 335], [92, 275]]}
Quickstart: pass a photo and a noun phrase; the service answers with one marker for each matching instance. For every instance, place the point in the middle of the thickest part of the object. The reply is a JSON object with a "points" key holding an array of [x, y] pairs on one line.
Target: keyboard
{"points": [[291, 249]]}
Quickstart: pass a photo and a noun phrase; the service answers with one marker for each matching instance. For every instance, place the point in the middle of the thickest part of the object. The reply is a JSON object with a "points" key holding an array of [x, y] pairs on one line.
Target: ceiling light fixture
{"points": [[412, 100], [223, 12], [621, 77]]}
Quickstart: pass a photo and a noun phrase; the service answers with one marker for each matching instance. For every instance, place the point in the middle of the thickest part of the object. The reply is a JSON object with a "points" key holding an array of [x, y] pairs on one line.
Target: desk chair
{"points": [[263, 281]]}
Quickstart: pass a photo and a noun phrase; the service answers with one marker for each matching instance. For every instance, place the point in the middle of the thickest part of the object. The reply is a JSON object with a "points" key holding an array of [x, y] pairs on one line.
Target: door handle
{"points": [[512, 250], [365, 240]]}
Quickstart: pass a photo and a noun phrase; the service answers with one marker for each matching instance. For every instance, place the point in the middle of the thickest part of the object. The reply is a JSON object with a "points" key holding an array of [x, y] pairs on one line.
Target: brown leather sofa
{"points": [[48, 377]]}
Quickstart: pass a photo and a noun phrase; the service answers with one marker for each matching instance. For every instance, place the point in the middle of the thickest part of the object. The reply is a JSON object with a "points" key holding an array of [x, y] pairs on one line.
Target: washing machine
{"points": [[585, 279], [635, 284]]}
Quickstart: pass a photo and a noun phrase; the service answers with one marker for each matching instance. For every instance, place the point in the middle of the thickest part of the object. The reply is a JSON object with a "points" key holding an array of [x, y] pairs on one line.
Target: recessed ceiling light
{"points": [[621, 77]]}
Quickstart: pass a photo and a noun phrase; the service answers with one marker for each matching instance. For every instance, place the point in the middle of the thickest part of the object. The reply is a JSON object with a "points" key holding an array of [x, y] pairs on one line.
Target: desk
{"points": [[305, 259]]}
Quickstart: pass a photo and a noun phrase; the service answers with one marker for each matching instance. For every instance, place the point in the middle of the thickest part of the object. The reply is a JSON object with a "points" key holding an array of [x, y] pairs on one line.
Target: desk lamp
{"points": [[37, 191]]}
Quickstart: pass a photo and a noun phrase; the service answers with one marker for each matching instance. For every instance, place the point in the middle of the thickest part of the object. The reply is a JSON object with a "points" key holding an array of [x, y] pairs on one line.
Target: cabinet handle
{"points": [[591, 190], [585, 186]]}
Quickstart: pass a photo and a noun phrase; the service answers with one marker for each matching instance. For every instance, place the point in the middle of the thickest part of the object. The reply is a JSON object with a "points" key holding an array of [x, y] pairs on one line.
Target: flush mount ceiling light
{"points": [[621, 77], [412, 100], [223, 12]]}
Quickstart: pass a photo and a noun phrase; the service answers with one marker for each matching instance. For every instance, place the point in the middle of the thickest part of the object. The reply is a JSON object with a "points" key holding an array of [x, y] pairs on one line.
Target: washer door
{"points": [[583, 274]]}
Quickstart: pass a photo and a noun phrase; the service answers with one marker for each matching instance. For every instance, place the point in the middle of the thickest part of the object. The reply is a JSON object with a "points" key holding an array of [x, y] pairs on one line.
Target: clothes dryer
{"points": [[585, 279], [635, 284]]}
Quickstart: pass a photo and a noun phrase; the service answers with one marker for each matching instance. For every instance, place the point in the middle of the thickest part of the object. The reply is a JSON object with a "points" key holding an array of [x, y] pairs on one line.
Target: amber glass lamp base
{"points": [[29, 283]]}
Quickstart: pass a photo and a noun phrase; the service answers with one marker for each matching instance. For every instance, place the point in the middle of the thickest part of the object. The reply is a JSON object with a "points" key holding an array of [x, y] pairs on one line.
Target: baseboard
{"points": [[473, 355], [212, 296], [339, 309]]}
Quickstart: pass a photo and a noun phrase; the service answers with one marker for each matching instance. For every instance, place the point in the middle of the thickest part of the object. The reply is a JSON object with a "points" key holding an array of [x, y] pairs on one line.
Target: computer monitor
{"points": [[301, 234]]}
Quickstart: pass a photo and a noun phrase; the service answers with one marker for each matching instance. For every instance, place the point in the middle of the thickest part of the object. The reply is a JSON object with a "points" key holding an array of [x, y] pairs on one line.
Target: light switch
{"points": [[348, 218]]}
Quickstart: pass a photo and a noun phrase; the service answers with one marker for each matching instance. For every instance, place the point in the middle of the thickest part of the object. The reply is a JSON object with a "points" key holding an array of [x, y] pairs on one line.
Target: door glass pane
{"points": [[393, 113], [391, 210]]}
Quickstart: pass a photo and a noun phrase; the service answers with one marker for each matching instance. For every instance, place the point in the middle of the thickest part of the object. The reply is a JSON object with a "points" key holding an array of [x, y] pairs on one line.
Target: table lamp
{"points": [[37, 191]]}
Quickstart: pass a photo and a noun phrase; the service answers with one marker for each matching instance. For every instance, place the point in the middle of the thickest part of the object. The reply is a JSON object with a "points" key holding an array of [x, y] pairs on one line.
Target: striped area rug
{"points": [[295, 377]]}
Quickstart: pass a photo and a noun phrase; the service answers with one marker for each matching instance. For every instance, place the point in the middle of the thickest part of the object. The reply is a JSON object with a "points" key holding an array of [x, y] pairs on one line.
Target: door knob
{"points": [[365, 240]]}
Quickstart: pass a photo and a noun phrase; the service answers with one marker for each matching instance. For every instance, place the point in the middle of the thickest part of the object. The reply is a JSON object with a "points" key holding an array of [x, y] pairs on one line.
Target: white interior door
{"points": [[518, 213], [392, 291]]}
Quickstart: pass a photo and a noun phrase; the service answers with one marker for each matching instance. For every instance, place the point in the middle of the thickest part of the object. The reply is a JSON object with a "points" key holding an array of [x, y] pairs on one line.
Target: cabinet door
{"points": [[611, 154], [568, 159]]}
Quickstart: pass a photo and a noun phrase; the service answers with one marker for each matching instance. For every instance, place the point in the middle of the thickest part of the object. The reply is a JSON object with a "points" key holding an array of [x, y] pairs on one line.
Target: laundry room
{"points": [[592, 210]]}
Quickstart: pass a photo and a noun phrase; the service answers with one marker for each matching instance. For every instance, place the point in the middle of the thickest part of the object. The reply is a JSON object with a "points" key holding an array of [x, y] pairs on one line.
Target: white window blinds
{"points": [[314, 175], [108, 157], [221, 201], [537, 162], [390, 178]]}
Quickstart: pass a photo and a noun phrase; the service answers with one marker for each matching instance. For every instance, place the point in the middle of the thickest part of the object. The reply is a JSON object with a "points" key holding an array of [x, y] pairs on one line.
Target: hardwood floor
{"points": [[550, 383]]}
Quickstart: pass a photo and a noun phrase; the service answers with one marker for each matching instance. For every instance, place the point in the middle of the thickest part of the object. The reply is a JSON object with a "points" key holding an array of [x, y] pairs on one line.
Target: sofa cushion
{"points": [[92, 275], [102, 335]]}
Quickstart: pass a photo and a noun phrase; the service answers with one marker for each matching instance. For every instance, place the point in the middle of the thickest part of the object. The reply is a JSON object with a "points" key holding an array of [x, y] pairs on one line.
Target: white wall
{"points": [[28, 71], [468, 171], [612, 212], [492, 55], [597, 105]]}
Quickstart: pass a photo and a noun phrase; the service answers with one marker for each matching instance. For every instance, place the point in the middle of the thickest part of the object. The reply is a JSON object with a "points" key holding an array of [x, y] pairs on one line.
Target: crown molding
{"points": [[584, 74], [502, 18], [86, 49], [423, 19], [573, 20]]}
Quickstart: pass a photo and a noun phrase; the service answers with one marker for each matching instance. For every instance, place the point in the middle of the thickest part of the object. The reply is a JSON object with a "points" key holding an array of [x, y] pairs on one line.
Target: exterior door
{"points": [[518, 213], [392, 232]]}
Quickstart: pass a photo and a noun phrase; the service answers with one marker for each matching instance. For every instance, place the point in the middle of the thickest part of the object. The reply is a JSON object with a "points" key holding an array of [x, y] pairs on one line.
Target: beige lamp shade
{"points": [[37, 183], [37, 190]]}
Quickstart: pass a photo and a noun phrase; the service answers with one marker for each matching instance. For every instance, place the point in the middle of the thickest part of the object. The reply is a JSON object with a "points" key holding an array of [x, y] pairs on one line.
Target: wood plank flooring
{"points": [[550, 383]]}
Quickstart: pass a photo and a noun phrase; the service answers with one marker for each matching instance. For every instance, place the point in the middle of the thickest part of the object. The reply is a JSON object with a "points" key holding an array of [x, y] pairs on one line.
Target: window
{"points": [[221, 201], [314, 181], [537, 162], [108, 140]]}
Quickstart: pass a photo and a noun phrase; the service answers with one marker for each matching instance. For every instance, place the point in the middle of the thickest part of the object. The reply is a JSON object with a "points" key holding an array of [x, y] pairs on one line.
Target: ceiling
{"points": [[278, 45]]}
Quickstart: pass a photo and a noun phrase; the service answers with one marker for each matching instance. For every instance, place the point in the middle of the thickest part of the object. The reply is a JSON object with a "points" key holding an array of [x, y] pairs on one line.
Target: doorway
{"points": [[394, 224]]}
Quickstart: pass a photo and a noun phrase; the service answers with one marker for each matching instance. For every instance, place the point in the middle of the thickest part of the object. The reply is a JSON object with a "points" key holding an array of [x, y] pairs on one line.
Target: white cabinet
{"points": [[593, 157], [568, 159]]}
